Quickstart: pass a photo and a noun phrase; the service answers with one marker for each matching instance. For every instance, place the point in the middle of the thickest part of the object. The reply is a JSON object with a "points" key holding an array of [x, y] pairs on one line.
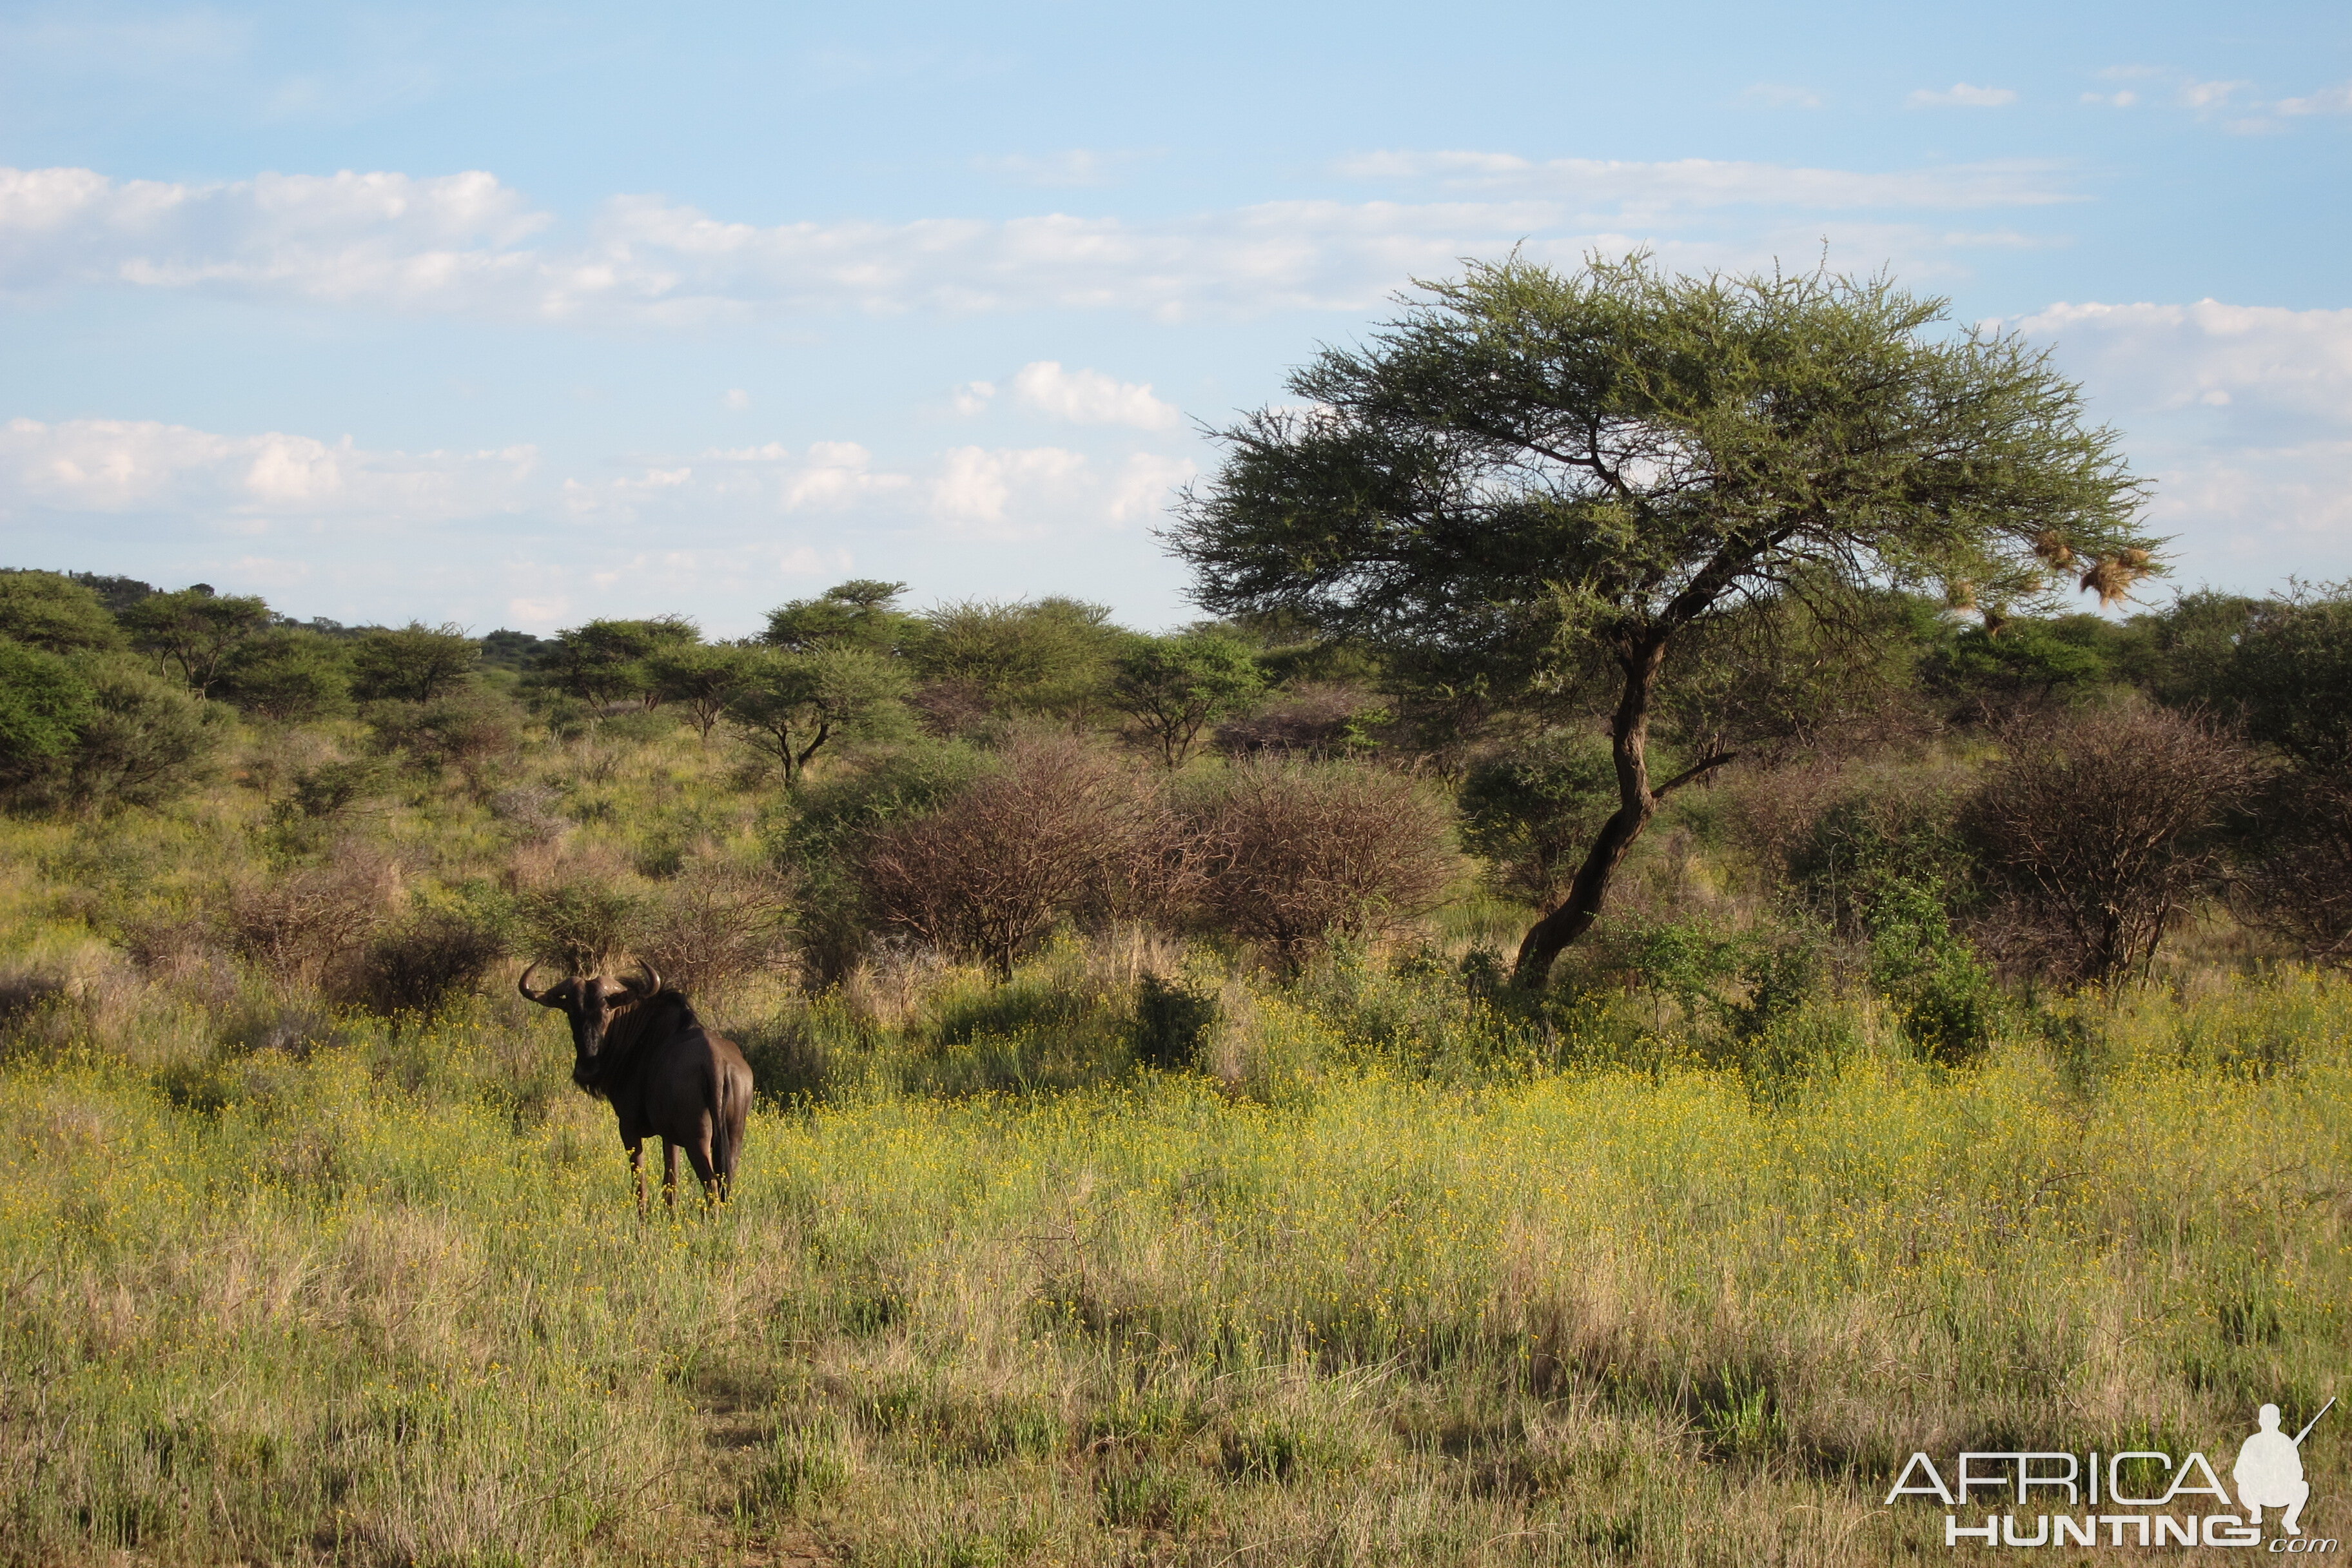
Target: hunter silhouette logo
{"points": [[2269, 1471], [2133, 1496]]}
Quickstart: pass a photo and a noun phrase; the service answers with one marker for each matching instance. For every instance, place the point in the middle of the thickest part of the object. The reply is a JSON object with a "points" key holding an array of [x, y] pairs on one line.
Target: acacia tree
{"points": [[1172, 687], [788, 705], [1549, 472], [414, 663], [700, 678], [195, 631], [605, 661]]}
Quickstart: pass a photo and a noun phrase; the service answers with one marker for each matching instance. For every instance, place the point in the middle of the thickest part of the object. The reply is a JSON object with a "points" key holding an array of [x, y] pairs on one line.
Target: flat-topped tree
{"points": [[1591, 465]]}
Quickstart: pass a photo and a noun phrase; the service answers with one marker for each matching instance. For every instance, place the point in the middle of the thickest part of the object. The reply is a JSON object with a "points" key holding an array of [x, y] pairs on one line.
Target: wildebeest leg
{"points": [[669, 1174], [714, 1186], [637, 1175]]}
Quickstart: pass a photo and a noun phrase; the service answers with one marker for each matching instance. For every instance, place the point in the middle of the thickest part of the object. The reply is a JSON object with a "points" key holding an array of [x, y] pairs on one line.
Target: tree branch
{"points": [[1705, 765]]}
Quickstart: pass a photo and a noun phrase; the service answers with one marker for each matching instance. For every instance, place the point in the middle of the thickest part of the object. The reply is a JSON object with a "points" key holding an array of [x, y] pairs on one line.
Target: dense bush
{"points": [[44, 704], [288, 675], [145, 740], [1530, 814], [51, 612], [1294, 854], [1061, 829], [2099, 828], [419, 962], [2292, 671], [472, 730], [2296, 876]]}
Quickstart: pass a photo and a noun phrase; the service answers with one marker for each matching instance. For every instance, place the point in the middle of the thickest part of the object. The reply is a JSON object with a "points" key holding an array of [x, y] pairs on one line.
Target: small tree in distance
{"points": [[1173, 687], [1533, 476], [414, 663], [861, 613], [700, 678], [790, 706], [194, 632]]}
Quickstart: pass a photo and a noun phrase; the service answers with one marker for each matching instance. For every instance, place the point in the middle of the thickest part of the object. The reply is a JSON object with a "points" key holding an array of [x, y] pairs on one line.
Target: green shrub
{"points": [[1171, 1022], [44, 704], [1945, 1002], [431, 956], [145, 740], [1531, 814]]}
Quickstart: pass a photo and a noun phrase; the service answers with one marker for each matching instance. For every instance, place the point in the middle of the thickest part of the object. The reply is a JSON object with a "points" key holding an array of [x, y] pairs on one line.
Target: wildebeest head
{"points": [[590, 1001]]}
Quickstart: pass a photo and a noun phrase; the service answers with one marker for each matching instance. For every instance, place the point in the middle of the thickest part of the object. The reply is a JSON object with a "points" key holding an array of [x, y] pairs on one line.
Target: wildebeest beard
{"points": [[632, 1024]]}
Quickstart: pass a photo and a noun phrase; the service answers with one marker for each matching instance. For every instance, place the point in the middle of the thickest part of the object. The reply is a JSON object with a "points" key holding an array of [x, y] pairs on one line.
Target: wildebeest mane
{"points": [[633, 1024]]}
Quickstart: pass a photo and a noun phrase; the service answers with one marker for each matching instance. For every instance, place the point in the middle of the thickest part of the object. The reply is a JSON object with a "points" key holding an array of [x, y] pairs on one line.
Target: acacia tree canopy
{"points": [[1546, 471]]}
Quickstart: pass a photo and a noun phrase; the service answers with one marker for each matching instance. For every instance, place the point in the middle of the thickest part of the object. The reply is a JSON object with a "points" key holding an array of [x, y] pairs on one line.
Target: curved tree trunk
{"points": [[1629, 743]]}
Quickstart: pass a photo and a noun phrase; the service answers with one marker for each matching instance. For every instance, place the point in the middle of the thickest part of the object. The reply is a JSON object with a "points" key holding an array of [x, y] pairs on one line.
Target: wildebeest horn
{"points": [[523, 985], [653, 980]]}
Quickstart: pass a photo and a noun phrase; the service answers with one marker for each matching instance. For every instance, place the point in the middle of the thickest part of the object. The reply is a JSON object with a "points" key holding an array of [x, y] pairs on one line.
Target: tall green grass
{"points": [[1143, 1257], [382, 1297]]}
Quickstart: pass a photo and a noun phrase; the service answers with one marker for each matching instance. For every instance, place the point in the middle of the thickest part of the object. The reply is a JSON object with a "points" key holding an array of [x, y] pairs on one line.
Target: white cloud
{"points": [[380, 236], [2337, 99], [2165, 357], [837, 474], [1090, 397], [1144, 482], [2241, 414], [973, 397], [2235, 104], [737, 398], [1961, 95], [2211, 95], [467, 243], [1772, 95], [123, 466], [977, 486], [1707, 182]]}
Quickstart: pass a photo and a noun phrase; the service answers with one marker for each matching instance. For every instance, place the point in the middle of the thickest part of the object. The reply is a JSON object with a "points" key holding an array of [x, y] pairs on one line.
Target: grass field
{"points": [[378, 1296], [1368, 1270]]}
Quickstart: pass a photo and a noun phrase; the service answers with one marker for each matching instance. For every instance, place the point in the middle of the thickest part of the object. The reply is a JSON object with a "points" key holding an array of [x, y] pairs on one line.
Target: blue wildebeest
{"points": [[638, 1045]]}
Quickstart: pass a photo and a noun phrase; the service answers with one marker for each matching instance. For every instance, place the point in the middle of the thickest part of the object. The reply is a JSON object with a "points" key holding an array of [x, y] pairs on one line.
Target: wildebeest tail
{"points": [[727, 1129]]}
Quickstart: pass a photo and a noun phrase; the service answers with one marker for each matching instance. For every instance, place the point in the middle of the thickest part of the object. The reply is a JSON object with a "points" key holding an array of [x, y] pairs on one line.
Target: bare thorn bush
{"points": [[716, 924], [1294, 855], [1061, 830], [299, 926], [2101, 829]]}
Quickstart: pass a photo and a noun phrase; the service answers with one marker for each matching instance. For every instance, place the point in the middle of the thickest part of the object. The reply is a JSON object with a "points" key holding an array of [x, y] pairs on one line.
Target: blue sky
{"points": [[518, 315]]}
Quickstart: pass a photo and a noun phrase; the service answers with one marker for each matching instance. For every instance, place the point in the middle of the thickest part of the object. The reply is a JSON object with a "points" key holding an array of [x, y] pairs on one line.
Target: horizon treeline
{"points": [[2054, 793]]}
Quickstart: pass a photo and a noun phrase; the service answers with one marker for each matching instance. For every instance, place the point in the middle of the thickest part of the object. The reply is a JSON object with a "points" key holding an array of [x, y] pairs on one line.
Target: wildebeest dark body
{"points": [[667, 1076]]}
